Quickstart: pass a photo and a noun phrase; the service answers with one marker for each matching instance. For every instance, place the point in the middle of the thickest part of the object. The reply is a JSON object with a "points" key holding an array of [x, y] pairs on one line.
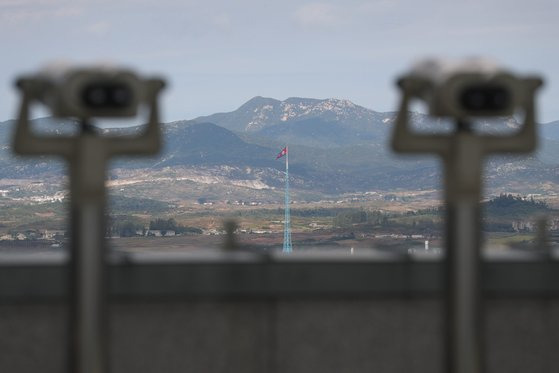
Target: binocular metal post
{"points": [[87, 154], [463, 153]]}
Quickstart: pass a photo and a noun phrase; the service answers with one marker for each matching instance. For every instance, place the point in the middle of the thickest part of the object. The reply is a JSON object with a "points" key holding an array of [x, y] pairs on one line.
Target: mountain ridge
{"points": [[260, 112], [335, 147]]}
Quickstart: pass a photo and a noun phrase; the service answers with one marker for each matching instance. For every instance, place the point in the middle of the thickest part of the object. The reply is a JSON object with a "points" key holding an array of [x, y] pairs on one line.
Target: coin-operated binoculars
{"points": [[465, 91], [85, 94]]}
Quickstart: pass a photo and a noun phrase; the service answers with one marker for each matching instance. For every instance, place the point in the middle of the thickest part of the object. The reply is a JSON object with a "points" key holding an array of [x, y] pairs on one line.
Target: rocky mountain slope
{"points": [[261, 112], [335, 147]]}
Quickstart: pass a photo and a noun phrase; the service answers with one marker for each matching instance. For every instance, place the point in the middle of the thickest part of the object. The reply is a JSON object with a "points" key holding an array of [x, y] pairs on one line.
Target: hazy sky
{"points": [[218, 54]]}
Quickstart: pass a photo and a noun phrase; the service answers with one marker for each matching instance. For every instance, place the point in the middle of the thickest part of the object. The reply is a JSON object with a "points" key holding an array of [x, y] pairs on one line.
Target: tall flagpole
{"points": [[287, 248]]}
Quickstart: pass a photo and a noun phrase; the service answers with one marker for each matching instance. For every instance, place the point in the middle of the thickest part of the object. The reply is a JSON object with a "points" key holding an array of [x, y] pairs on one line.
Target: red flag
{"points": [[282, 153]]}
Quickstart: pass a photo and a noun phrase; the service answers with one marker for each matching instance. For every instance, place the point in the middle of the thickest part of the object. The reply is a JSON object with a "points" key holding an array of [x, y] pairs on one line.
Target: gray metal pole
{"points": [[463, 167], [88, 269], [464, 324], [88, 154]]}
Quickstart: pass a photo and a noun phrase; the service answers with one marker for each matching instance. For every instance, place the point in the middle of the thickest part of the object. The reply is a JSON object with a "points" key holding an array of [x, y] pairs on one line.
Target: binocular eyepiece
{"points": [[106, 96], [468, 88], [484, 98], [89, 92]]}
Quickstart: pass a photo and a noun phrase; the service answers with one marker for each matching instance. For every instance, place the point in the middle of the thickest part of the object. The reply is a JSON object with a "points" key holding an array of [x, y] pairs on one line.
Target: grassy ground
{"points": [[503, 241]]}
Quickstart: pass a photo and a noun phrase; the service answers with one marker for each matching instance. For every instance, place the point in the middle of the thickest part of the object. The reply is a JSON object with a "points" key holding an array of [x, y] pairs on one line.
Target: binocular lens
{"points": [[106, 96], [485, 98]]}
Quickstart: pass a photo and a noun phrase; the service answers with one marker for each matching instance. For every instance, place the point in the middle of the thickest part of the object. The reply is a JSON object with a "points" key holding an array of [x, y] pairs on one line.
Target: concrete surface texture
{"points": [[276, 336]]}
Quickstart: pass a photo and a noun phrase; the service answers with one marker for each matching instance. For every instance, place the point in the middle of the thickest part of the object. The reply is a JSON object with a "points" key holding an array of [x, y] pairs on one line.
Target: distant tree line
{"points": [[125, 227], [508, 200], [171, 225], [358, 216], [508, 205]]}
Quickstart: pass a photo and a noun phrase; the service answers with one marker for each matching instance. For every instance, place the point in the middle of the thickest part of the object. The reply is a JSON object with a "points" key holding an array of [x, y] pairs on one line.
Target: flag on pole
{"points": [[282, 153]]}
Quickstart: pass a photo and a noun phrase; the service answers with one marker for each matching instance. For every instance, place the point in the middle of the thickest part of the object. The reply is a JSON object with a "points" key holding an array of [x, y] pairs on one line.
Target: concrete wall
{"points": [[374, 335]]}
